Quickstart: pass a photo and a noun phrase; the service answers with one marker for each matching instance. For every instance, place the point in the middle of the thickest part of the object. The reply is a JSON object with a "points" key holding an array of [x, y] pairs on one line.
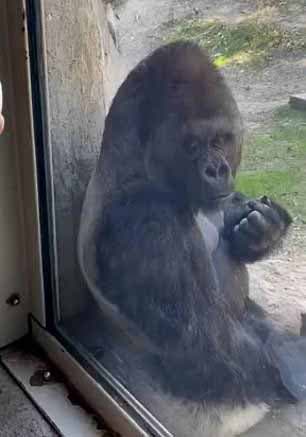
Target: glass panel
{"points": [[152, 239]]}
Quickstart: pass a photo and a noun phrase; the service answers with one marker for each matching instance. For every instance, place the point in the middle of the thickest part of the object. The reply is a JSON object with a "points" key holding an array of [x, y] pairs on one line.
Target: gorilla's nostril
{"points": [[211, 172], [223, 170]]}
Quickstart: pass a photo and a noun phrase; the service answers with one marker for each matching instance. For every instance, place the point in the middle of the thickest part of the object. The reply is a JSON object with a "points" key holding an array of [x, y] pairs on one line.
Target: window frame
{"points": [[104, 393]]}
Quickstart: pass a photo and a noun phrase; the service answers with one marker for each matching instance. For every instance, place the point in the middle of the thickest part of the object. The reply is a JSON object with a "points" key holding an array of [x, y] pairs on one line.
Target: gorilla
{"points": [[163, 246]]}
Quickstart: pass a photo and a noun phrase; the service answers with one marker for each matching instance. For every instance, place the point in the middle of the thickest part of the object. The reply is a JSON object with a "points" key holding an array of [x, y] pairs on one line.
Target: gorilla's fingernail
{"points": [[236, 228]]}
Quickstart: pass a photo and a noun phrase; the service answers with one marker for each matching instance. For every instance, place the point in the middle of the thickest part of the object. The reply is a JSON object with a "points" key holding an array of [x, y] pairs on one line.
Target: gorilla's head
{"points": [[175, 122], [191, 127]]}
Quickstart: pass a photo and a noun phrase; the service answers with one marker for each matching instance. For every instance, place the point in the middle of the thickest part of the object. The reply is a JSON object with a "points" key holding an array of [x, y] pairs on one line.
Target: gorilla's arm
{"points": [[254, 228], [156, 269]]}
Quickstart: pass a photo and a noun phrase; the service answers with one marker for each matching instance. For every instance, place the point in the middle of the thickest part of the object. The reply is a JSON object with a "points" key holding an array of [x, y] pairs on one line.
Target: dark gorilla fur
{"points": [[171, 238]]}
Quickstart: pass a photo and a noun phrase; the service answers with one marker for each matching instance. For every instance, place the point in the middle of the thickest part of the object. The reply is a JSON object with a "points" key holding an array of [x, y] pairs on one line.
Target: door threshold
{"points": [[46, 388]]}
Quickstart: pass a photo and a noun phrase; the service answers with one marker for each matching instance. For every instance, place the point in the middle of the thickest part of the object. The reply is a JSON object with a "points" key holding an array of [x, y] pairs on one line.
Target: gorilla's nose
{"points": [[219, 172]]}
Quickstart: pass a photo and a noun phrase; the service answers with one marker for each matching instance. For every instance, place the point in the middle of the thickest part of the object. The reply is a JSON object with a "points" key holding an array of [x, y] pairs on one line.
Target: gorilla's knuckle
{"points": [[254, 216]]}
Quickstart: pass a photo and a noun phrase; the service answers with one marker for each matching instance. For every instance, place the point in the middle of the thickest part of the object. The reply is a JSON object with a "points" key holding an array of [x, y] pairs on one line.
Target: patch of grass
{"points": [[250, 41], [274, 162]]}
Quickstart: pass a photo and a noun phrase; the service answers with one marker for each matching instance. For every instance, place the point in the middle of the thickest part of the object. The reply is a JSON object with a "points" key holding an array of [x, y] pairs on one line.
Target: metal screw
{"points": [[13, 300]]}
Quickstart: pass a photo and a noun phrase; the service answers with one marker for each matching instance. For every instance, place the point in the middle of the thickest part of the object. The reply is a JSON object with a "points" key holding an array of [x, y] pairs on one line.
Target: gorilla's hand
{"points": [[258, 228], [261, 228]]}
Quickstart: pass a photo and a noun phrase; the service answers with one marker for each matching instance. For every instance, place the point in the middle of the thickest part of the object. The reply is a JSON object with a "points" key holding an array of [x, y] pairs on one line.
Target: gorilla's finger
{"points": [[240, 210], [242, 239], [244, 225], [248, 228], [262, 227], [268, 212], [233, 217], [243, 222], [258, 221], [249, 238]]}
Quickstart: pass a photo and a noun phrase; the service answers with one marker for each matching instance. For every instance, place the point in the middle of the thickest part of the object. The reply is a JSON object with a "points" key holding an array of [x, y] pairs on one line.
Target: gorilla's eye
{"points": [[219, 141], [192, 148], [228, 137]]}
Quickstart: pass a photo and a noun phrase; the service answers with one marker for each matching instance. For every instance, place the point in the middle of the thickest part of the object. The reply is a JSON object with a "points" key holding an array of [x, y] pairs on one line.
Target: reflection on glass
{"points": [[161, 299]]}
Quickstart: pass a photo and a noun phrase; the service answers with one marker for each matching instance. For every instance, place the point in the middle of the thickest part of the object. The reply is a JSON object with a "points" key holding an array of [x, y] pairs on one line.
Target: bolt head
{"points": [[13, 300], [47, 375]]}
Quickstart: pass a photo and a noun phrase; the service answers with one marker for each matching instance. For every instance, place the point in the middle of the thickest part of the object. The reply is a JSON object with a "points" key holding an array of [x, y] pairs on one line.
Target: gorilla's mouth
{"points": [[221, 196], [216, 200]]}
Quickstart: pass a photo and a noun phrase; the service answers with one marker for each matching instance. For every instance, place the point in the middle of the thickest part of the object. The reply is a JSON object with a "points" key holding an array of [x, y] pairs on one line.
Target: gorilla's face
{"points": [[197, 160]]}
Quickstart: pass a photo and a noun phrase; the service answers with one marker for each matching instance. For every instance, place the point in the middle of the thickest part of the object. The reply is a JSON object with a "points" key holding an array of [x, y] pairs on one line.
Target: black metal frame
{"points": [[43, 159]]}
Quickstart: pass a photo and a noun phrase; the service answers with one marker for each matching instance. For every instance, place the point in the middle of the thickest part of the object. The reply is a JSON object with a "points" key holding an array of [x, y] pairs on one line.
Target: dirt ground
{"points": [[280, 282]]}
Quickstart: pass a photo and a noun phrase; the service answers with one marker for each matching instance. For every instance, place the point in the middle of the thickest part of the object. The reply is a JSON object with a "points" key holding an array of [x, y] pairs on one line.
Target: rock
{"points": [[303, 324], [298, 101]]}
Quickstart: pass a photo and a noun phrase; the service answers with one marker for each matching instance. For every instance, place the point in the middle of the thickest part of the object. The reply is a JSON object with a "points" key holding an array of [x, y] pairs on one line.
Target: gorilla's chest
{"points": [[232, 275], [210, 228]]}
